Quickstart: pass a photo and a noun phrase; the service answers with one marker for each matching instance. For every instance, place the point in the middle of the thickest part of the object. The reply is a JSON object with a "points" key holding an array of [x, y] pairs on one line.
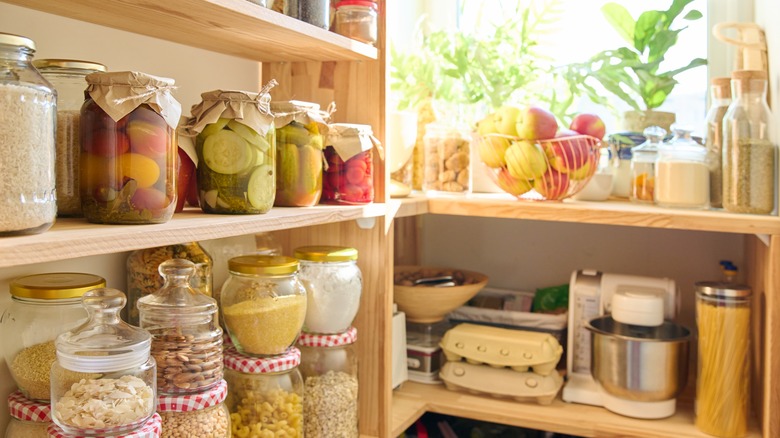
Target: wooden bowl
{"points": [[429, 304]]}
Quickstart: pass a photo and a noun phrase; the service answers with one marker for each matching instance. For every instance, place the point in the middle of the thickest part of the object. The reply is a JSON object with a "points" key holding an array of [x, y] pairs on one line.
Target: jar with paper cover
{"points": [[349, 171]]}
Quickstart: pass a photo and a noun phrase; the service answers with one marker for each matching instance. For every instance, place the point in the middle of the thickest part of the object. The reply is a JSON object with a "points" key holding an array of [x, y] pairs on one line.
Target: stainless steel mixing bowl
{"points": [[639, 363]]}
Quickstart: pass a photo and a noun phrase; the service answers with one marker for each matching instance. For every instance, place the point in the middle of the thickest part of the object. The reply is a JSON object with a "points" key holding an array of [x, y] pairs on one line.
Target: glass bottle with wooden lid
{"points": [[720, 98]]}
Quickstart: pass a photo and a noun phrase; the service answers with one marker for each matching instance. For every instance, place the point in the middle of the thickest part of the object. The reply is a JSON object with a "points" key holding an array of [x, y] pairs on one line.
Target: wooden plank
{"points": [[407, 241]]}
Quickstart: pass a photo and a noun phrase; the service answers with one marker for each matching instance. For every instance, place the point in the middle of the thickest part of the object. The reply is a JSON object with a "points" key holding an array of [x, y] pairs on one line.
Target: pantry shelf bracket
{"points": [[764, 238], [366, 223]]}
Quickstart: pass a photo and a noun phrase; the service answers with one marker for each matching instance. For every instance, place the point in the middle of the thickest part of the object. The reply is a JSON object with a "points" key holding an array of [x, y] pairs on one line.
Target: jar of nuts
{"points": [[264, 394], [202, 415], [151, 429], [29, 419], [446, 159], [186, 337]]}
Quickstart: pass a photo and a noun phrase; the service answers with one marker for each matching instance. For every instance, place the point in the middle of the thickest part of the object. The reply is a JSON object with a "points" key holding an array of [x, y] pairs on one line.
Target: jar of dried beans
{"points": [[349, 172], [356, 19], [29, 419], [201, 415]]}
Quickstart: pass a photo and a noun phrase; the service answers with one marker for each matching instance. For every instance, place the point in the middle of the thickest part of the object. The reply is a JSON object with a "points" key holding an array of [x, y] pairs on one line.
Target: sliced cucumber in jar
{"points": [[228, 153], [261, 189], [213, 128], [249, 135]]}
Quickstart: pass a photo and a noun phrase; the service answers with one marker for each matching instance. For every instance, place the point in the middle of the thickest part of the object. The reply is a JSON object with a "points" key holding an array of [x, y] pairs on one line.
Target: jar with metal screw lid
{"points": [[201, 415], [29, 419], [357, 19]]}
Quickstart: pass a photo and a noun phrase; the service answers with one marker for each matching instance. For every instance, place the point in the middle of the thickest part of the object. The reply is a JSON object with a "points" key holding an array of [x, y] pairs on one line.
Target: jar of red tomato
{"points": [[128, 148], [349, 173]]}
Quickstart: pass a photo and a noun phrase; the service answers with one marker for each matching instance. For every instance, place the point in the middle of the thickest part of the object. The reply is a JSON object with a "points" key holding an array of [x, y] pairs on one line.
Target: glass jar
{"points": [[264, 394], [723, 384], [329, 366], [202, 415], [333, 286], [748, 152], [128, 149], [143, 275], [29, 419], [28, 104], [349, 171], [447, 159], [42, 306], [720, 99], [186, 338], [356, 19], [151, 429], [263, 303], [68, 77], [315, 12], [104, 379], [620, 147], [682, 176], [643, 159], [186, 185]]}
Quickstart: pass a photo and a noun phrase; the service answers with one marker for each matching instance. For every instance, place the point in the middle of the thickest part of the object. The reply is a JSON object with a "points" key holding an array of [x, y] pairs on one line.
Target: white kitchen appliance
{"points": [[591, 295]]}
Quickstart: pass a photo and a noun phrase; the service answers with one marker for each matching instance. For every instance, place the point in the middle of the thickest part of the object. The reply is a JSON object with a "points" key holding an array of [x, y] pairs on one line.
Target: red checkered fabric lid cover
{"points": [[193, 402], [25, 409], [258, 365], [152, 429], [337, 340]]}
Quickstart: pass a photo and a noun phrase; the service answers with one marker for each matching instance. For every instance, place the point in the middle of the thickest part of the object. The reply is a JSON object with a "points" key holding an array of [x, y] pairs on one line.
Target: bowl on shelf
{"points": [[428, 294]]}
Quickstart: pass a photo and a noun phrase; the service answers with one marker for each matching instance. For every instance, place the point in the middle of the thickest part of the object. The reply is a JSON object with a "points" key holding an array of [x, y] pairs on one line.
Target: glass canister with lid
{"points": [[447, 159], [186, 337], [42, 306], [104, 379], [357, 19], [264, 394], [263, 304], [682, 176], [315, 12], [329, 367], [28, 112], [643, 158], [29, 419], [333, 284], [349, 167], [201, 415], [151, 429]]}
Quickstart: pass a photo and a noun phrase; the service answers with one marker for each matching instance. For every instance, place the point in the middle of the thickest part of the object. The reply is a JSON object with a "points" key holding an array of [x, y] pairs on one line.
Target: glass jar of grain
{"points": [[356, 19], [29, 419], [28, 111], [203, 414]]}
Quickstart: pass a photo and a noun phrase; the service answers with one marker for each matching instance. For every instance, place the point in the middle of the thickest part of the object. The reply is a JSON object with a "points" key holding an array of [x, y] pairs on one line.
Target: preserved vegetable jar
{"points": [[682, 176], [315, 12], [186, 338], [263, 303], [356, 19], [104, 379], [264, 394], [42, 306], [349, 172], [29, 419], [201, 415], [720, 100], [723, 385], [748, 152], [333, 286], [28, 111], [446, 158], [128, 148], [143, 275], [68, 78], [151, 429], [643, 159], [329, 367]]}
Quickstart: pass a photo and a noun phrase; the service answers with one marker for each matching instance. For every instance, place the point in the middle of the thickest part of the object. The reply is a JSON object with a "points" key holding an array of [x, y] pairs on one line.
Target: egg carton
{"points": [[501, 382]]}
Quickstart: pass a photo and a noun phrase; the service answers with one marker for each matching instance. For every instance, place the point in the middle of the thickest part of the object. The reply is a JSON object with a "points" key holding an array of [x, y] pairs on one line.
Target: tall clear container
{"points": [[720, 92], [748, 152], [447, 159], [682, 176], [643, 158]]}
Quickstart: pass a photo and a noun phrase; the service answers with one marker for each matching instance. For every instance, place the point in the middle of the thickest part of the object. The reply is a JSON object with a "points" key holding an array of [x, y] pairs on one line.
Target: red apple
{"points": [[534, 123], [567, 155], [552, 185], [589, 124]]}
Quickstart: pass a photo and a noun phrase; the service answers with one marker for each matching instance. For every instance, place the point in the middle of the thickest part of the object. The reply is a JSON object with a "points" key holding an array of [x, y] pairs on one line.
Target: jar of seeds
{"points": [[201, 415]]}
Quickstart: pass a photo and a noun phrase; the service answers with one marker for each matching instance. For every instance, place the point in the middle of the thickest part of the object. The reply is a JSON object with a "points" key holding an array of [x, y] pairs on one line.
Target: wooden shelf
{"points": [[414, 399], [232, 27]]}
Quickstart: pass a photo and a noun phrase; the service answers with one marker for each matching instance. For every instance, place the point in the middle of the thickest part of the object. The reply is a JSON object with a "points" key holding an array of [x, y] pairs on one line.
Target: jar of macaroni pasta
{"points": [[265, 395], [29, 419], [151, 429], [201, 415]]}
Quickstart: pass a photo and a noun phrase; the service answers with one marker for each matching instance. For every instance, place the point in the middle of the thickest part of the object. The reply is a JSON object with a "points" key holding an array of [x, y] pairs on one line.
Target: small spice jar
{"points": [[447, 159], [333, 284], [151, 429], [315, 12], [356, 19], [104, 379], [68, 77], [263, 303], [42, 306], [720, 99], [682, 176], [186, 338], [202, 415], [27, 120], [349, 172], [329, 367], [264, 394], [29, 419], [643, 158]]}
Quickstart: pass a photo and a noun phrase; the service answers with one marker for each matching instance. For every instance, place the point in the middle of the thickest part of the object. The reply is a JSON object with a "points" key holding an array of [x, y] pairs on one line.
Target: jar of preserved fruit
{"points": [[264, 394], [104, 379], [333, 284], [263, 303], [447, 159], [201, 415], [299, 130], [151, 429], [42, 306], [29, 419], [349, 172], [186, 184], [128, 149], [356, 19], [315, 12], [28, 104], [329, 367], [186, 338], [682, 176], [643, 158], [68, 78]]}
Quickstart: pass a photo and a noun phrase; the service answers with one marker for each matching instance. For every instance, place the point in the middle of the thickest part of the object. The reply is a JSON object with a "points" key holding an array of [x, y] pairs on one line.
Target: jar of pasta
{"points": [[42, 306], [349, 170], [329, 367], [29, 419], [201, 415], [263, 303], [264, 394], [356, 19], [151, 429]]}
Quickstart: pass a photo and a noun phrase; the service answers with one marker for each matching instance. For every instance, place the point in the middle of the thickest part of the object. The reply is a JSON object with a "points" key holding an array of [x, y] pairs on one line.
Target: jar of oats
{"points": [[29, 419], [265, 395], [151, 429], [42, 306], [202, 415]]}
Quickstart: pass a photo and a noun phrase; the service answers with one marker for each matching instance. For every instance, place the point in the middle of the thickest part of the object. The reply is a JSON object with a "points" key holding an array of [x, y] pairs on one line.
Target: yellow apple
{"points": [[525, 160], [492, 151], [505, 120], [513, 186]]}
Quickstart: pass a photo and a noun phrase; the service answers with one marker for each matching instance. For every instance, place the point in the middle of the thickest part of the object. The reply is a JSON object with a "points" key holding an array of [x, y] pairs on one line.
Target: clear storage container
{"points": [[186, 338], [29, 419], [151, 429], [720, 98], [329, 367], [42, 306], [349, 170], [201, 415], [356, 19], [315, 12], [447, 159], [643, 158], [333, 284], [682, 175]]}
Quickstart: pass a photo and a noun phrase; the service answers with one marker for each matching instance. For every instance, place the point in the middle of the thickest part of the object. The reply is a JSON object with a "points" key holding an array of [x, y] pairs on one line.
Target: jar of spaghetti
{"points": [[29, 419], [723, 385], [349, 171], [356, 19]]}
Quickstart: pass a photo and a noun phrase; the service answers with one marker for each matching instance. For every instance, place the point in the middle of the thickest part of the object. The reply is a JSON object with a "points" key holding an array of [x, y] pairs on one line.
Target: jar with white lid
{"points": [[29, 419], [264, 394], [357, 19], [333, 284], [329, 366], [643, 158], [151, 429], [42, 306], [682, 175], [104, 379], [201, 415]]}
